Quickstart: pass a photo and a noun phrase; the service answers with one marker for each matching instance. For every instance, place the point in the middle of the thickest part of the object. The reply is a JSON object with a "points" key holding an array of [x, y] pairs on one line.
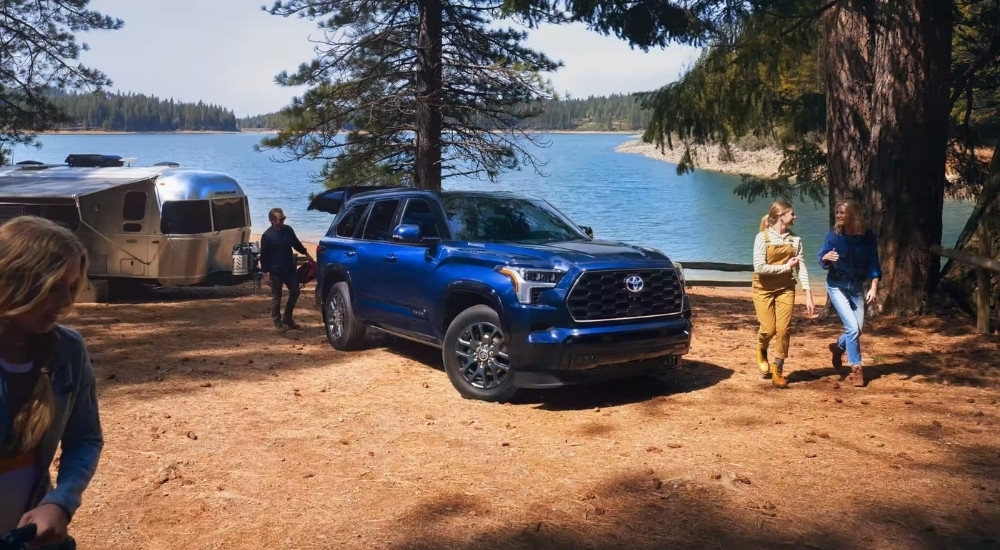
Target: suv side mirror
{"points": [[407, 233], [588, 230], [410, 233]]}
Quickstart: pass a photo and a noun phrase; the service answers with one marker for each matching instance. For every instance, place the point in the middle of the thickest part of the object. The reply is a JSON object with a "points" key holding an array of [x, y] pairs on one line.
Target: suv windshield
{"points": [[480, 218]]}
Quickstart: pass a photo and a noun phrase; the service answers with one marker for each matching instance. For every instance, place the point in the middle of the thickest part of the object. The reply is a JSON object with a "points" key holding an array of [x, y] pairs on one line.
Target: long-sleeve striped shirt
{"points": [[761, 266]]}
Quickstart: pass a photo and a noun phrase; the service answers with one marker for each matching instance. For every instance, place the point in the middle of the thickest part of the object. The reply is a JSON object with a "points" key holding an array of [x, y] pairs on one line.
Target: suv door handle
{"points": [[390, 257], [350, 253]]}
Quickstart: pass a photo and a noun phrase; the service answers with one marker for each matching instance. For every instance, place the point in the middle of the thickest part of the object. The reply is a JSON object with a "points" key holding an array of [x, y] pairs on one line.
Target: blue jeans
{"points": [[848, 298]]}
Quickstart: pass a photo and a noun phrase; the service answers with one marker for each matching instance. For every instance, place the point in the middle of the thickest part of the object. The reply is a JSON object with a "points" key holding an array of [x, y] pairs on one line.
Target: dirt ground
{"points": [[222, 433]]}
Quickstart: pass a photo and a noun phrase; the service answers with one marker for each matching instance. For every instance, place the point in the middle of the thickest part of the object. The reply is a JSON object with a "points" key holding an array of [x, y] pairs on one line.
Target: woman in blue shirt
{"points": [[850, 256]]}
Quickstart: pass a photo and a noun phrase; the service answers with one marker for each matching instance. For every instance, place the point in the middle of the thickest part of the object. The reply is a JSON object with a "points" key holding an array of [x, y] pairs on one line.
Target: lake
{"points": [[622, 196]]}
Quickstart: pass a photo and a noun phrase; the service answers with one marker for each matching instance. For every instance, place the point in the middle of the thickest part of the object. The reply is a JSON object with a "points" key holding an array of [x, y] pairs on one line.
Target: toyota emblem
{"points": [[634, 283]]}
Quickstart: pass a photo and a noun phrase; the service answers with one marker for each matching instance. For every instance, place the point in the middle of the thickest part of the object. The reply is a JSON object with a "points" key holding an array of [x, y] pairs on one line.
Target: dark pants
{"points": [[291, 280]]}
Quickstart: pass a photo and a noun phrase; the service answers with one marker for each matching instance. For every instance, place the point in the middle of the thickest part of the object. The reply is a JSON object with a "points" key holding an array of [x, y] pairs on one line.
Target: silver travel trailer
{"points": [[161, 225]]}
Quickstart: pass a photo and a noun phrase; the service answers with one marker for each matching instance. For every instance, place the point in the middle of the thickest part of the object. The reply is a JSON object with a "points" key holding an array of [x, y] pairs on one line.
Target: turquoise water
{"points": [[623, 196]]}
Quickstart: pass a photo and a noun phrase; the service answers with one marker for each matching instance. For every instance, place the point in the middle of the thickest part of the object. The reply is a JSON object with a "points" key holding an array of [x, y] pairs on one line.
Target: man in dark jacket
{"points": [[277, 260]]}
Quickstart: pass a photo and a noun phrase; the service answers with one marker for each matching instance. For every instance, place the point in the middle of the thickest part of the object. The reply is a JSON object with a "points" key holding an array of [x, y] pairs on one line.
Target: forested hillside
{"points": [[140, 113], [613, 113]]}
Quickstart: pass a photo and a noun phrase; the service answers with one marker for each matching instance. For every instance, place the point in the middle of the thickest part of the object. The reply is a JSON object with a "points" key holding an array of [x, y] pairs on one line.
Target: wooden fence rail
{"points": [[984, 264], [715, 266]]}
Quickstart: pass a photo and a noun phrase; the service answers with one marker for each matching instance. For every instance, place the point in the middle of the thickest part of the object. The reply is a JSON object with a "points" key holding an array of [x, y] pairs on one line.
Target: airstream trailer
{"points": [[161, 225]]}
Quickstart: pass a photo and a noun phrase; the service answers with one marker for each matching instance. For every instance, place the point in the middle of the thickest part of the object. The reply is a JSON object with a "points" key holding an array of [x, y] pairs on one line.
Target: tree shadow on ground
{"points": [[126, 344], [920, 366], [690, 376], [725, 312], [640, 511], [134, 293], [962, 357]]}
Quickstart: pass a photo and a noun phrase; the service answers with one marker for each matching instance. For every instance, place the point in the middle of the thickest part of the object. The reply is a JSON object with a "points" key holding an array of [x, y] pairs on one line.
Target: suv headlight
{"points": [[680, 272], [527, 279]]}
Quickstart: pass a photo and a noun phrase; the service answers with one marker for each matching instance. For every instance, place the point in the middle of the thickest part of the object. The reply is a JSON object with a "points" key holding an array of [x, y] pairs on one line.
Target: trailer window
{"points": [[63, 214], [229, 213], [133, 210], [186, 217], [10, 212]]}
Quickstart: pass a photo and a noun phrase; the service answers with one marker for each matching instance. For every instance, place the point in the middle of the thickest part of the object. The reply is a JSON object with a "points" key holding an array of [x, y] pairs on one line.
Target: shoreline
{"points": [[126, 132], [270, 131], [762, 163]]}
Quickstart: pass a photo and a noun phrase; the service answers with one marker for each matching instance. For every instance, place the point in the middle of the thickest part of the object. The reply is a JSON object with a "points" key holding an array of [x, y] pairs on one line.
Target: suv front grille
{"points": [[604, 295]]}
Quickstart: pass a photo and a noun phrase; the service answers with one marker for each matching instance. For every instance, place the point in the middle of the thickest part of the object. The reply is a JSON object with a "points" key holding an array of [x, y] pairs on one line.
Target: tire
{"points": [[475, 356], [343, 330]]}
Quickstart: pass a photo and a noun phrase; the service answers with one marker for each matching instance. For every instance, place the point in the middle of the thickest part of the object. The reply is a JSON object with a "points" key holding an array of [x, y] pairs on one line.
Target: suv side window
{"points": [[379, 225], [348, 224], [418, 212]]}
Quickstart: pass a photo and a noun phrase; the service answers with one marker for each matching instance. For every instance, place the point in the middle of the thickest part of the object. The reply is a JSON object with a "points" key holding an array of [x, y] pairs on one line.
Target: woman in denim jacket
{"points": [[47, 393], [850, 256]]}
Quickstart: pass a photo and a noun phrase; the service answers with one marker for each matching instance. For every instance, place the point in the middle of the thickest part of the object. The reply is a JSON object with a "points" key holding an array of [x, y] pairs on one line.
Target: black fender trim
{"points": [[337, 273], [472, 287]]}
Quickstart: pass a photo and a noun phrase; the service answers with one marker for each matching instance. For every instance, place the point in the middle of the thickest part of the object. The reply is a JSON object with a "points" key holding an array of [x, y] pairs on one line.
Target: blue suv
{"points": [[513, 293]]}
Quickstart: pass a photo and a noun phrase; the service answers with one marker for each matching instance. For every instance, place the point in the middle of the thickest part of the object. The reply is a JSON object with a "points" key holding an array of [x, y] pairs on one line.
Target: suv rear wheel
{"points": [[475, 356], [343, 330]]}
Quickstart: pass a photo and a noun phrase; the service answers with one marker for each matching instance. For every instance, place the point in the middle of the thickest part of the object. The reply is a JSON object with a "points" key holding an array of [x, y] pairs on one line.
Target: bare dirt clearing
{"points": [[222, 433]]}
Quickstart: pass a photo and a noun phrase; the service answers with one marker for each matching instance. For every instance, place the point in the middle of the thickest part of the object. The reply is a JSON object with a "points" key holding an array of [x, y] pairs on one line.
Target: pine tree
{"points": [[424, 89], [884, 102], [38, 51]]}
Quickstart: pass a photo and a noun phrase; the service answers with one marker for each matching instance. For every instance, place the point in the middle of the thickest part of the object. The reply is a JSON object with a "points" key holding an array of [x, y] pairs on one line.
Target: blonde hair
{"points": [[34, 255], [853, 210], [777, 210]]}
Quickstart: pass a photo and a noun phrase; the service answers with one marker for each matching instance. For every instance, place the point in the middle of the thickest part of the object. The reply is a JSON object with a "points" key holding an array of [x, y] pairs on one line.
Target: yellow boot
{"points": [[762, 363], [776, 378]]}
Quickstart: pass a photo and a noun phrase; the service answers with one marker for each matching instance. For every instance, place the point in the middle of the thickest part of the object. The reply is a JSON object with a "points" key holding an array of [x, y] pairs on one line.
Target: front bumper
{"points": [[557, 356]]}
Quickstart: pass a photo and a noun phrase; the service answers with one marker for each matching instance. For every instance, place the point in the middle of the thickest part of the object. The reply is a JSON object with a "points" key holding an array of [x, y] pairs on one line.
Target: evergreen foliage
{"points": [[425, 89], [139, 113], [617, 112], [38, 51], [764, 81], [882, 134]]}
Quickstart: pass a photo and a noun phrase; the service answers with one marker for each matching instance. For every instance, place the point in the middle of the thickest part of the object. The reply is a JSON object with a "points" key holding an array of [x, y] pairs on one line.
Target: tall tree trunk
{"points": [[847, 72], [909, 136], [427, 172]]}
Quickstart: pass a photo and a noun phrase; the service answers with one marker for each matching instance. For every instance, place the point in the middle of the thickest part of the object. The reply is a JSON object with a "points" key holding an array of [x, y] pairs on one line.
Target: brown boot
{"points": [[776, 378], [857, 376], [762, 363], [837, 358]]}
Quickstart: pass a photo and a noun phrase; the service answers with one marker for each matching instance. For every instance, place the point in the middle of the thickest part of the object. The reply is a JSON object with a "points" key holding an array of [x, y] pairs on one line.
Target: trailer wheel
{"points": [[343, 330]]}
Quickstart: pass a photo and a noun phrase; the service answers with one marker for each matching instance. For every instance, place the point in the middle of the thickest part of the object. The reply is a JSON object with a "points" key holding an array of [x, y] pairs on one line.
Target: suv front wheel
{"points": [[343, 330], [475, 356]]}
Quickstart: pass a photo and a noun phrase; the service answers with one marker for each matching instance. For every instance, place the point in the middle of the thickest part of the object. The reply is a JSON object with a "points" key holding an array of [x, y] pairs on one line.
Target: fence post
{"points": [[983, 284]]}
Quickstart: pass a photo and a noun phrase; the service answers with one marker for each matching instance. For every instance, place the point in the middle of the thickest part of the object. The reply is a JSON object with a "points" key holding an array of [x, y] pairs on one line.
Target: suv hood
{"points": [[569, 252]]}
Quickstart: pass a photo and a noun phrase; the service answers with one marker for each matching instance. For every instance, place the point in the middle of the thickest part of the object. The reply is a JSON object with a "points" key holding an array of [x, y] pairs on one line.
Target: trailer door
{"points": [[134, 234]]}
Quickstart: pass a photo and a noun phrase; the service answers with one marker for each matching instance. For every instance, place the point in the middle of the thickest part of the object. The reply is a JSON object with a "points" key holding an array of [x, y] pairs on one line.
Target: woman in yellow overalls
{"points": [[778, 260]]}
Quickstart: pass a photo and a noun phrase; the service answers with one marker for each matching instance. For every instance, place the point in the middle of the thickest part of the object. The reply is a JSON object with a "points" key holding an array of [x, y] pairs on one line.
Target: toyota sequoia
{"points": [[513, 293]]}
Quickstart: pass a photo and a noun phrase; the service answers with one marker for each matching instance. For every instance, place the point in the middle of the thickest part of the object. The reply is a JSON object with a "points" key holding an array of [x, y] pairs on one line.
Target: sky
{"points": [[227, 52]]}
